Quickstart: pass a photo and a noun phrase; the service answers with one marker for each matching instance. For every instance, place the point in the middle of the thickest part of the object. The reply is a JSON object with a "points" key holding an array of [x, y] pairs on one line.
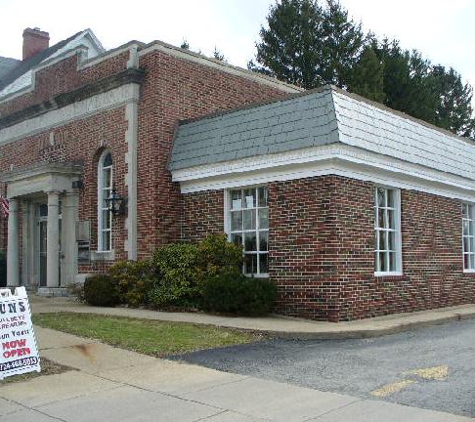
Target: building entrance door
{"points": [[43, 240]]}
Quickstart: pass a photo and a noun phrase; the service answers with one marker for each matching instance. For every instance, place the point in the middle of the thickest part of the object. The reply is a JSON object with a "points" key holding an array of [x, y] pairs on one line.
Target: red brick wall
{"points": [[173, 89], [176, 89], [321, 243], [63, 77], [203, 214], [80, 142]]}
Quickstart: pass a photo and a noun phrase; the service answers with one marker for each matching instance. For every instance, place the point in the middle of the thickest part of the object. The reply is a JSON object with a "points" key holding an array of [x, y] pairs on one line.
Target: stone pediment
{"points": [[41, 178]]}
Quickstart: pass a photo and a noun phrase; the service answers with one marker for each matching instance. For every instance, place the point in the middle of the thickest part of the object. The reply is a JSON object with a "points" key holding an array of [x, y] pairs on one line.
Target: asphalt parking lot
{"points": [[431, 368]]}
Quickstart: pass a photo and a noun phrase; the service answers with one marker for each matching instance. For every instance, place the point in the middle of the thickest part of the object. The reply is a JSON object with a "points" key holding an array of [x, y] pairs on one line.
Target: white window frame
{"points": [[397, 249], [227, 222], [104, 192], [468, 237]]}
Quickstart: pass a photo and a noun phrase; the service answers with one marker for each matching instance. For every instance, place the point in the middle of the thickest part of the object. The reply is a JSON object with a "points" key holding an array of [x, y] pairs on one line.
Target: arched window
{"points": [[105, 185]]}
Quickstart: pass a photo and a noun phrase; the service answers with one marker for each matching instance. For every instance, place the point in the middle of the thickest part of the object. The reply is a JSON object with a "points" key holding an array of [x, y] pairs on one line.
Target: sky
{"points": [[442, 30]]}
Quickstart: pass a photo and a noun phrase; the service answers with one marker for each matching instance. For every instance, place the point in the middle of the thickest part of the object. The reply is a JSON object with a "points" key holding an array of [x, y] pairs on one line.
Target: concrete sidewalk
{"points": [[114, 385], [278, 326]]}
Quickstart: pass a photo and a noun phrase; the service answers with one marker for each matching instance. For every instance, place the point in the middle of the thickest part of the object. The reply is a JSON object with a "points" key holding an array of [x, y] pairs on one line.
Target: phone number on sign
{"points": [[7, 366]]}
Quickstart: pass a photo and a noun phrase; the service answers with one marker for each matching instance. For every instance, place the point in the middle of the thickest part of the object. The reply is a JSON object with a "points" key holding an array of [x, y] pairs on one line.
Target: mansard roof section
{"points": [[21, 76], [311, 120], [296, 122], [379, 129]]}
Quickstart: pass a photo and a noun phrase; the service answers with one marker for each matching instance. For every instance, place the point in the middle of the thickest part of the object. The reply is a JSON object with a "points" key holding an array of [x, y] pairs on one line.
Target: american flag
{"points": [[4, 206]]}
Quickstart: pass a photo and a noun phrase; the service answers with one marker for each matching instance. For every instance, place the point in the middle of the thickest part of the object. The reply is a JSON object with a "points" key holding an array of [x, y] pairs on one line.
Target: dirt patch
{"points": [[48, 367]]}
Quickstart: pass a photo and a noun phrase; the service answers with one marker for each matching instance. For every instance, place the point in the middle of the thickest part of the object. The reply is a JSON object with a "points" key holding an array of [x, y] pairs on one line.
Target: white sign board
{"points": [[18, 351]]}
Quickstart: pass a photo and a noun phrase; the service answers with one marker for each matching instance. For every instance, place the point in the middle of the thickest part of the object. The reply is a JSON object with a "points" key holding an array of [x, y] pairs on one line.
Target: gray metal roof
{"points": [[7, 65], [311, 119], [288, 124]]}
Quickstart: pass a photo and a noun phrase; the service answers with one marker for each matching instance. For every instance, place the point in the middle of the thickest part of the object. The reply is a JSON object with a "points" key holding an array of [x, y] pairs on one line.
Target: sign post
{"points": [[18, 350]]}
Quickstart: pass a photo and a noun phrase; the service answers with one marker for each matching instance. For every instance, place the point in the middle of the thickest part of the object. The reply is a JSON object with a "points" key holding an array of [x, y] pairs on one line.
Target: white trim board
{"points": [[109, 100], [335, 159]]}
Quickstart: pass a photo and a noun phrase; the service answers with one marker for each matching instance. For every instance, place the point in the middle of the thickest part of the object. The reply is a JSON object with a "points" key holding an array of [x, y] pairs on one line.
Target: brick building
{"points": [[353, 209]]}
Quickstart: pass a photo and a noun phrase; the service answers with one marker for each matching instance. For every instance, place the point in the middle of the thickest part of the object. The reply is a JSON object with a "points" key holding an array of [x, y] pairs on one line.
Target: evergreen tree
{"points": [[343, 44], [307, 45], [453, 110], [218, 55], [291, 48], [367, 78]]}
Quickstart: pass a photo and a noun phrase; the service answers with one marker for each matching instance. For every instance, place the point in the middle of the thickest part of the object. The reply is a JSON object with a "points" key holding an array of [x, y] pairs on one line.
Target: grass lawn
{"points": [[154, 338]]}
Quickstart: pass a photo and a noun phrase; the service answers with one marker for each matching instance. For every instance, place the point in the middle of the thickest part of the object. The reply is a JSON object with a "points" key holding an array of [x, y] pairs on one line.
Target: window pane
{"points": [[391, 198], [382, 261], [236, 220], [263, 241], [465, 211], [465, 244], [43, 210], [377, 266], [465, 227], [107, 160], [470, 227], [392, 241], [106, 176], [106, 220], [380, 197], [381, 219], [250, 264], [263, 196], [236, 199], [391, 219], [392, 261], [264, 263], [466, 262], [250, 242], [472, 261], [382, 240], [386, 219], [250, 198], [249, 219], [236, 239], [106, 245], [263, 218]]}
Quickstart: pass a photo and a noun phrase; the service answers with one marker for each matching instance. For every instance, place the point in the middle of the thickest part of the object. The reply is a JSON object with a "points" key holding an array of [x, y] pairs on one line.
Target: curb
{"points": [[367, 333]]}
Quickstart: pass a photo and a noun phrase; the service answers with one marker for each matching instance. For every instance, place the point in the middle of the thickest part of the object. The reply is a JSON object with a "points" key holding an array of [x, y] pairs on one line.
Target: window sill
{"points": [[102, 256], [389, 274], [469, 271], [257, 275]]}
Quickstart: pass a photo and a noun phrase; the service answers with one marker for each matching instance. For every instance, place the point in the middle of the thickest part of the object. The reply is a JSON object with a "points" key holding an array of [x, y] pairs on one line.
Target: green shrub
{"points": [[176, 275], [100, 291], [219, 256], [133, 281], [237, 294], [3, 269]]}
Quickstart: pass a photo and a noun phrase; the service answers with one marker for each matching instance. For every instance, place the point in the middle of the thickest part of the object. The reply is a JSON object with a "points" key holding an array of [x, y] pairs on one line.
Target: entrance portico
{"points": [[45, 196]]}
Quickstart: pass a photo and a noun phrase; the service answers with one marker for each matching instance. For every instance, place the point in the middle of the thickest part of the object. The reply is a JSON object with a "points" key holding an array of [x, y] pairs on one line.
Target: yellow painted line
{"points": [[389, 389], [434, 373]]}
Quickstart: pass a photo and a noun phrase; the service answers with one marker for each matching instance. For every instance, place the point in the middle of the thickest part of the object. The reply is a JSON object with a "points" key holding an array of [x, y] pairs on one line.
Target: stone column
{"points": [[52, 247], [69, 267], [13, 270], [27, 243]]}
